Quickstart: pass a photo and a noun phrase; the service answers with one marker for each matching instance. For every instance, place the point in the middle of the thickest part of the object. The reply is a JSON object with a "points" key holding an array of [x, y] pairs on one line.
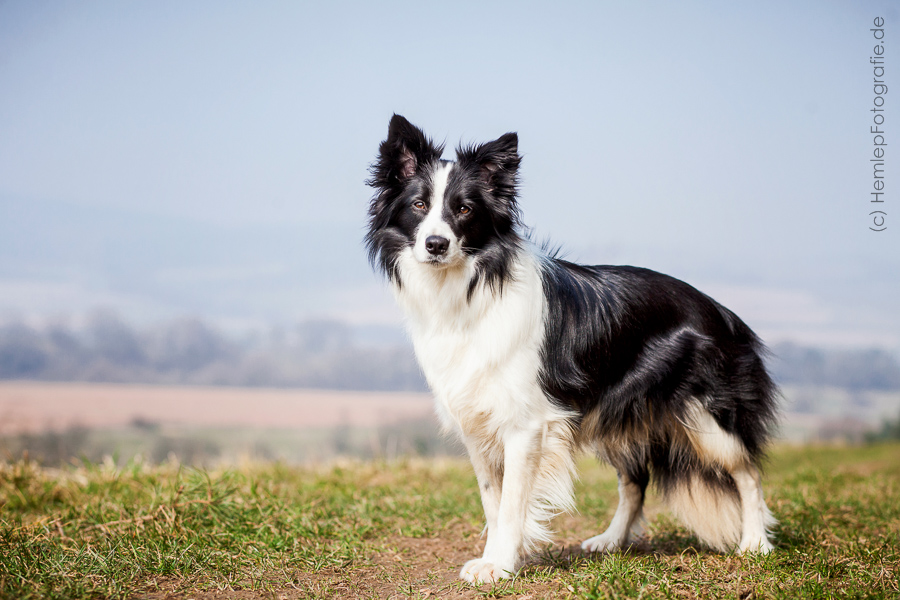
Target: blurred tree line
{"points": [[316, 353], [857, 370], [890, 430]]}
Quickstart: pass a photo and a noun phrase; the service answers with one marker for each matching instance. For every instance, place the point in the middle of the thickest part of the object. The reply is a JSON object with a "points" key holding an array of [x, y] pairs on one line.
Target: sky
{"points": [[208, 158]]}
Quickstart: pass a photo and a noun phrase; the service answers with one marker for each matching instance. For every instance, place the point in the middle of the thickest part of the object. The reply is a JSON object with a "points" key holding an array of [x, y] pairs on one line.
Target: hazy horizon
{"points": [[210, 159]]}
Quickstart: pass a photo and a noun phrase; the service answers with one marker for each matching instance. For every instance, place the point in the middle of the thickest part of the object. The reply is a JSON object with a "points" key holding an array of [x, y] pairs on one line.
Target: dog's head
{"points": [[443, 212]]}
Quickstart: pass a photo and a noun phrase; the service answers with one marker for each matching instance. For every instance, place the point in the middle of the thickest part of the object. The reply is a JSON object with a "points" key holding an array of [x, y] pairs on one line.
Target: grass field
{"points": [[403, 529]]}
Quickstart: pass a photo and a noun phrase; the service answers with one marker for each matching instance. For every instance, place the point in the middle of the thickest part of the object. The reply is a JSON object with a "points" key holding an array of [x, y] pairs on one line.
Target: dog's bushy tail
{"points": [[708, 503]]}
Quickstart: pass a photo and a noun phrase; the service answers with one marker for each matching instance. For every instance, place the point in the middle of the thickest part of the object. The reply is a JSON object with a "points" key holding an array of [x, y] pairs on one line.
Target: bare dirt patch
{"points": [[421, 568]]}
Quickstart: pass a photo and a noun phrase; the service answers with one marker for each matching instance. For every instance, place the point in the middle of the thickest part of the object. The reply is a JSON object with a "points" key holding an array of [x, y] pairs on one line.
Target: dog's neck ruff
{"points": [[445, 297], [437, 296]]}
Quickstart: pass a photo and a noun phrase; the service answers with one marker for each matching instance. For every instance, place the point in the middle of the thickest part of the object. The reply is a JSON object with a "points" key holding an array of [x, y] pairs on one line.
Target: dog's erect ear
{"points": [[404, 151], [407, 146], [497, 163]]}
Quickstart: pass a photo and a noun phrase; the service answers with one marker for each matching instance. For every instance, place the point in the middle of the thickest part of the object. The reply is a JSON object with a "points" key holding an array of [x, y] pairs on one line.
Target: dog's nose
{"points": [[436, 245]]}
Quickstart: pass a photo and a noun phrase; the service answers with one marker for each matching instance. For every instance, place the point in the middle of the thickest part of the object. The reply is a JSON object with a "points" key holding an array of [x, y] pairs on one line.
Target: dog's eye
{"points": [[419, 204], [464, 210]]}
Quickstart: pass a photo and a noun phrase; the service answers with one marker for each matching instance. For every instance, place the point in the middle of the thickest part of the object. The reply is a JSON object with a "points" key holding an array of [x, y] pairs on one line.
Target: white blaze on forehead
{"points": [[439, 183], [433, 223]]}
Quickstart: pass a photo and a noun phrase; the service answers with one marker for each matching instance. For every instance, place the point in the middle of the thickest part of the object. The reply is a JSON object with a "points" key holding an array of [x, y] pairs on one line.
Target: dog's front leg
{"points": [[504, 548], [490, 482]]}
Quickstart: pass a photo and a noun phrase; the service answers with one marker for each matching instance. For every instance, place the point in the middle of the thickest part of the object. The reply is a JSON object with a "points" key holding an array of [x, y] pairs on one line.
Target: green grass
{"points": [[403, 529]]}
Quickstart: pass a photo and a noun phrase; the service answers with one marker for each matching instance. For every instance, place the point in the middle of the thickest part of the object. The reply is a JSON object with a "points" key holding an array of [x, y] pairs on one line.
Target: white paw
{"points": [[603, 543], [479, 570], [755, 545]]}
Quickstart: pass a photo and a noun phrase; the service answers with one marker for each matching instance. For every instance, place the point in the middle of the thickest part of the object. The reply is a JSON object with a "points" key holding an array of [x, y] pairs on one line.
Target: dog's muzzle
{"points": [[436, 245]]}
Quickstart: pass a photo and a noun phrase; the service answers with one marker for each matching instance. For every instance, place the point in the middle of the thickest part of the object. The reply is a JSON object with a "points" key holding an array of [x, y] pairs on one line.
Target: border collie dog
{"points": [[532, 358]]}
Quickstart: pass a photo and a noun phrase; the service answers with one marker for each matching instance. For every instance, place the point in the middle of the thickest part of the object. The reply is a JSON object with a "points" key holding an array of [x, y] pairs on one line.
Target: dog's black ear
{"points": [[497, 164], [404, 151]]}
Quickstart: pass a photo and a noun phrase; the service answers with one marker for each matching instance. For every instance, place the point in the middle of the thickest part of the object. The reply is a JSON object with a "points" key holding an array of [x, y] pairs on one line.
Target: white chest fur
{"points": [[480, 355]]}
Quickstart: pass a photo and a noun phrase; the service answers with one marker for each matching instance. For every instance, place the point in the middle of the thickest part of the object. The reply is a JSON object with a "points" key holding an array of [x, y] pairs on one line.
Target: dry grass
{"points": [[402, 530]]}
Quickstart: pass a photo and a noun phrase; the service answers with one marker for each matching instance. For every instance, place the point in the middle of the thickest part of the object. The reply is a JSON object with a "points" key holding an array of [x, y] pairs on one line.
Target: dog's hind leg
{"points": [[720, 517], [756, 518], [627, 517]]}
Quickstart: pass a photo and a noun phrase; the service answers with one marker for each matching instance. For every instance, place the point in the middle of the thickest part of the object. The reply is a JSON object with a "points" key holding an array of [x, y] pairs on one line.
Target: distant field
{"points": [[26, 406], [403, 529], [208, 426], [38, 406], [55, 423]]}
